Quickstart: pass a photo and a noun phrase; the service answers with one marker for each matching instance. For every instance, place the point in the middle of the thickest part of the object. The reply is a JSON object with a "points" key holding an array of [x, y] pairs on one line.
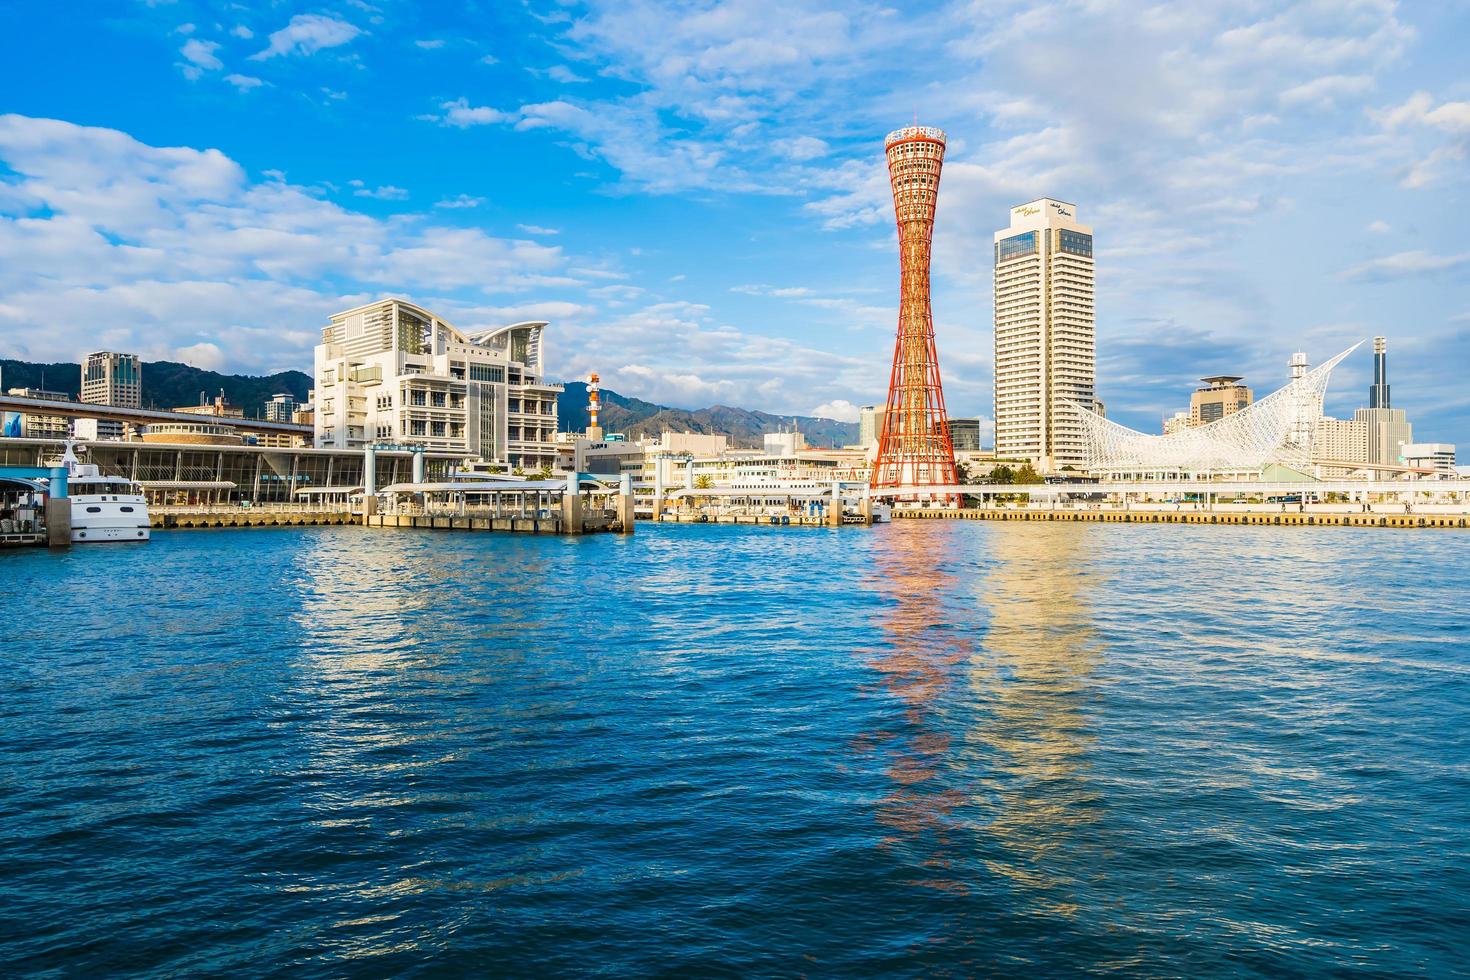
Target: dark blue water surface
{"points": [[927, 748]]}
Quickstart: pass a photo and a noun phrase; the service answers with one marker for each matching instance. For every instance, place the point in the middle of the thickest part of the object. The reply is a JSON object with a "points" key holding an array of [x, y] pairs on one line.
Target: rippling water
{"points": [[926, 748]]}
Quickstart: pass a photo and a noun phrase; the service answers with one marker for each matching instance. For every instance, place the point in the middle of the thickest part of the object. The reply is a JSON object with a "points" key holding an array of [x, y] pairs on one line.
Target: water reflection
{"points": [[1033, 680], [991, 655], [926, 638]]}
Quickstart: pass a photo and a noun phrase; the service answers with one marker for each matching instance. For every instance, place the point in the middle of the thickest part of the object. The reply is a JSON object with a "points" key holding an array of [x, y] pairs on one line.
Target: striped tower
{"points": [[914, 449]]}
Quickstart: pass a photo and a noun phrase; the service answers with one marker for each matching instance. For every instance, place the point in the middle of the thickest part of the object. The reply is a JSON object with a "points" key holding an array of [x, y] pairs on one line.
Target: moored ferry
{"points": [[103, 508]]}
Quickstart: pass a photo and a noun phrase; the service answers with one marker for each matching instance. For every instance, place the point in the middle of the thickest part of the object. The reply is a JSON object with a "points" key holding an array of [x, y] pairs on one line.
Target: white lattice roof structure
{"points": [[1276, 429]]}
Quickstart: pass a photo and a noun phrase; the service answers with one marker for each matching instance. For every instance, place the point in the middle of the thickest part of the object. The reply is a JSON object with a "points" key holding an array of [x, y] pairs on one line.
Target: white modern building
{"points": [[1275, 433], [393, 372], [1045, 335], [870, 425], [1437, 456], [280, 408]]}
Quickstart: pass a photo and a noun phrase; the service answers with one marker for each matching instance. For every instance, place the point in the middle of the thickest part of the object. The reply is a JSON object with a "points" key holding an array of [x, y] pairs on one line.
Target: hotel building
{"points": [[110, 378], [1045, 350], [1222, 395], [393, 372]]}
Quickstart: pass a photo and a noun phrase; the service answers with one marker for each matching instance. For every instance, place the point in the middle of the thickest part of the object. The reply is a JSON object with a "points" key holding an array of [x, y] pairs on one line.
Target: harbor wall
{"points": [[1188, 517]]}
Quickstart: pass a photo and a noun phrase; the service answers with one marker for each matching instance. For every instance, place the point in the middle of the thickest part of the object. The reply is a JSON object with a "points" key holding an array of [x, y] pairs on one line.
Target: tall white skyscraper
{"points": [[1045, 335]]}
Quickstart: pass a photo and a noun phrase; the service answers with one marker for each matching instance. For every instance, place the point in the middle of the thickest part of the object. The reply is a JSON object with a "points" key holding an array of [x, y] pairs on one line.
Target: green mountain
{"points": [[635, 417], [166, 384]]}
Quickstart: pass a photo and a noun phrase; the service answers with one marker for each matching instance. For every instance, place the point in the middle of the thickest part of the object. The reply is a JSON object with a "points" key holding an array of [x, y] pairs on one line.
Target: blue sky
{"points": [[695, 197]]}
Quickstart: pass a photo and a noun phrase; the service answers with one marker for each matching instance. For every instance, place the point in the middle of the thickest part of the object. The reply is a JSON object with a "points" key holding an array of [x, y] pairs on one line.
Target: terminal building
{"points": [[393, 372]]}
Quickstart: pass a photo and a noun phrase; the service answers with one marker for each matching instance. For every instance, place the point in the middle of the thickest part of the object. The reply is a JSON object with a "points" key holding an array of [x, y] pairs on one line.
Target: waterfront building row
{"points": [[236, 474]]}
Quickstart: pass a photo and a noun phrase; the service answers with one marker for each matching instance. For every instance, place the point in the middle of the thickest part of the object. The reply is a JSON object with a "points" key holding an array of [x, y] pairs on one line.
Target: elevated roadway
{"points": [[143, 416]]}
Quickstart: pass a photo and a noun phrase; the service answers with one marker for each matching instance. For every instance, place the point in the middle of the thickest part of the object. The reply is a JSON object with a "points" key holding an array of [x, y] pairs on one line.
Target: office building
{"points": [[280, 408], [393, 372], [1388, 428], [1045, 335], [1222, 395], [965, 434], [870, 425], [110, 378]]}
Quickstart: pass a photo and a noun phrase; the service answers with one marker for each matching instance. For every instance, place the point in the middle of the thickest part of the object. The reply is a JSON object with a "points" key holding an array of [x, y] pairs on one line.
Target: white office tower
{"points": [[392, 372], [1045, 335]]}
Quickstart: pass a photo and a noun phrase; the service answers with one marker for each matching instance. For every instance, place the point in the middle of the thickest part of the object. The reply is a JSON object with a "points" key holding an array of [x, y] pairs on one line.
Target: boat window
{"points": [[94, 510], [126, 510]]}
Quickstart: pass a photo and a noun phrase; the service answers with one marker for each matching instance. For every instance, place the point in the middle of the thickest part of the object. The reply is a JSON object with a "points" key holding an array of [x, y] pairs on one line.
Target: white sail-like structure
{"points": [[1275, 430]]}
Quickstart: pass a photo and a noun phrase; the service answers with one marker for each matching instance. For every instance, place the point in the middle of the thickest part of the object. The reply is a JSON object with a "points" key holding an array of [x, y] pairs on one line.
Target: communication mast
{"points": [[914, 449]]}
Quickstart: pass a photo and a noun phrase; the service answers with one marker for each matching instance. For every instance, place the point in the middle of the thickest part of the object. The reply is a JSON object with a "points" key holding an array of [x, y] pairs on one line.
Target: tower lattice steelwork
{"points": [[914, 449]]}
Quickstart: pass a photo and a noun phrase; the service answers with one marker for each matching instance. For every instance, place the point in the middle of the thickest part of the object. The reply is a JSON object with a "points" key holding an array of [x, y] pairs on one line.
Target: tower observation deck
{"points": [[914, 447]]}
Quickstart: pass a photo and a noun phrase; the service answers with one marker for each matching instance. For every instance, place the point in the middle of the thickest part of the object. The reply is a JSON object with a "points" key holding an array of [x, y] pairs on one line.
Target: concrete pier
{"points": [[1189, 517]]}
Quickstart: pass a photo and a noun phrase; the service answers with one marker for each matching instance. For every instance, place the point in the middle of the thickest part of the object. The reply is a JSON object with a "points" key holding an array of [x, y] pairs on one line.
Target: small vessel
{"points": [[103, 508]]}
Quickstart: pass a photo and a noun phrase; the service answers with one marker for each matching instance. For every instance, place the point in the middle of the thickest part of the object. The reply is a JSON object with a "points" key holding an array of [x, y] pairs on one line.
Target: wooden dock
{"points": [[1188, 517]]}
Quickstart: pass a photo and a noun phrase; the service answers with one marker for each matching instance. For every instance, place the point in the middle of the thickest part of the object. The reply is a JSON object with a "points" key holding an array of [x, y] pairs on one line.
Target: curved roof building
{"points": [[394, 372], [1276, 430]]}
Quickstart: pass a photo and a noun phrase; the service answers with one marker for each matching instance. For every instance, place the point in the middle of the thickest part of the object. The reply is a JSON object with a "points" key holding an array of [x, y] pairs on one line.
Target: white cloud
{"points": [[433, 44], [387, 192], [563, 74], [1324, 92], [242, 32], [243, 82], [538, 230], [463, 115], [307, 34], [1379, 227], [1402, 265], [176, 246], [200, 57], [1440, 136], [802, 147], [460, 201], [203, 355], [840, 409]]}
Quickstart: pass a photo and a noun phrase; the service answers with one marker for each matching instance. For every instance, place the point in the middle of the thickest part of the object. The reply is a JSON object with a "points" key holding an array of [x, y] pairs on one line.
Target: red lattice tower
{"points": [[914, 449]]}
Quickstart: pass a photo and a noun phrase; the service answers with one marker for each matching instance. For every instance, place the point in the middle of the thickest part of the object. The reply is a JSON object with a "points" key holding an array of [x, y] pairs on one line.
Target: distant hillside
{"points": [[169, 384], [636, 418], [166, 384]]}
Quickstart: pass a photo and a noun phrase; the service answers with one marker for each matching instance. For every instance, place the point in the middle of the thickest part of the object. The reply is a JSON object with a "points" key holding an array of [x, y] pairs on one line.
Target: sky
{"points": [[695, 196]]}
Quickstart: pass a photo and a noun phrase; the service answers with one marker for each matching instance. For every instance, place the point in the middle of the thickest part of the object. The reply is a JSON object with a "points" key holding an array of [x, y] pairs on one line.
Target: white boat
{"points": [[103, 508]]}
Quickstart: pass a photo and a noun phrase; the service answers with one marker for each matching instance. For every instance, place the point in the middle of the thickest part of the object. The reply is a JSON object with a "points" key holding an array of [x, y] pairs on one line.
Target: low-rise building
{"points": [[31, 425], [1438, 456]]}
